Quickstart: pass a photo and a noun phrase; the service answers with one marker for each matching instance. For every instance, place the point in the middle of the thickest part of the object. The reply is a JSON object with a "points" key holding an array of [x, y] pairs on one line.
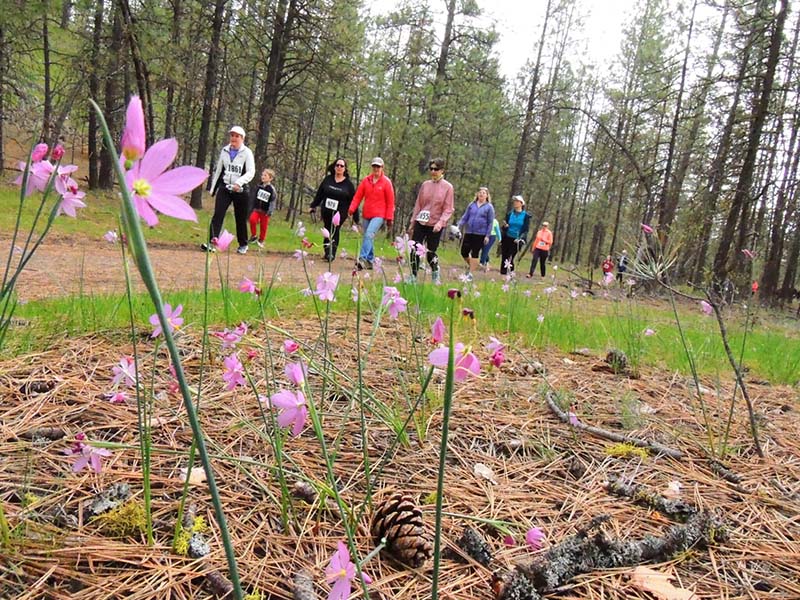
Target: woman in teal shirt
{"points": [[515, 233], [495, 235]]}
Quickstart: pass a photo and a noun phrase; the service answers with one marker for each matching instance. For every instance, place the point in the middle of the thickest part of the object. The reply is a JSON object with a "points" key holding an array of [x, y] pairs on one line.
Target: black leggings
{"points": [[540, 255], [241, 205], [508, 249], [331, 244], [424, 234]]}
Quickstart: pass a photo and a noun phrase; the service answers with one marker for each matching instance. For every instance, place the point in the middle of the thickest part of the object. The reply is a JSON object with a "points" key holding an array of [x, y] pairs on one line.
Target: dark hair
{"points": [[436, 162], [332, 169]]}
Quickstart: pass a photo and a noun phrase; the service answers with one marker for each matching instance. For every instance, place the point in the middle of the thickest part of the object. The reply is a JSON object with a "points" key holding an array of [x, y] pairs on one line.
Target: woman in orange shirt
{"points": [[541, 248]]}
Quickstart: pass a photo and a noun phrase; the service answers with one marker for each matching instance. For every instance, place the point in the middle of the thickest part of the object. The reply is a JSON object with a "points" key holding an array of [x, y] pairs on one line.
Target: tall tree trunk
{"points": [[94, 93], [285, 14], [111, 102], [208, 97], [3, 62], [47, 120], [438, 88], [140, 68], [66, 13], [174, 41], [741, 196], [668, 201], [522, 149]]}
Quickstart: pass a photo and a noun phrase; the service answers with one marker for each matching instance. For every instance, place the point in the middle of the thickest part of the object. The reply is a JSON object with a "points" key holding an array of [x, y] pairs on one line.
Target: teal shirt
{"points": [[515, 222], [496, 229]]}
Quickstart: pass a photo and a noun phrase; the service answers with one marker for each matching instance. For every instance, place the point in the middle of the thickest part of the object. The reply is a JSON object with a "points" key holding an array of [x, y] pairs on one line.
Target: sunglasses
{"points": [[432, 168], [339, 165]]}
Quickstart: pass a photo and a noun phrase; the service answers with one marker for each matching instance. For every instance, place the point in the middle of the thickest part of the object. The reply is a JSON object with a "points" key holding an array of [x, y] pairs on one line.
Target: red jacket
{"points": [[608, 266], [378, 198]]}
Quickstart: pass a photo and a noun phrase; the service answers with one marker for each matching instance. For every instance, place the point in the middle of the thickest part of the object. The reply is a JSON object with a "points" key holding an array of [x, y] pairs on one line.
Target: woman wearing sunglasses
{"points": [[333, 196]]}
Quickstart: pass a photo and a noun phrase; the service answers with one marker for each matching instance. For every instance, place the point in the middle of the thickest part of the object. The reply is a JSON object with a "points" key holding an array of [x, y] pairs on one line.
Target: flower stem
{"points": [[448, 401], [142, 258]]}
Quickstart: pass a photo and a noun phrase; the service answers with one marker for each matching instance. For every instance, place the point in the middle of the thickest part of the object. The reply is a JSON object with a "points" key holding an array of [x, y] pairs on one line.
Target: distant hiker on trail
{"points": [[608, 265], [432, 210], [377, 192], [333, 196], [477, 221], [236, 167], [495, 235], [515, 232], [622, 265], [541, 249], [263, 207]]}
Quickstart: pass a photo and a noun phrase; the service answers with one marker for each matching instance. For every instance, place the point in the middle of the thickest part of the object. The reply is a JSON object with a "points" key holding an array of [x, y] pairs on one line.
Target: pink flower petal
{"points": [[171, 206], [157, 159], [180, 180], [438, 358]]}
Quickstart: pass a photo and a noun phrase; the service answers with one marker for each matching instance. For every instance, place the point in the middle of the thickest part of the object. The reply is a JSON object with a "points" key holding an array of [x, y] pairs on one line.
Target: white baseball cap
{"points": [[237, 129]]}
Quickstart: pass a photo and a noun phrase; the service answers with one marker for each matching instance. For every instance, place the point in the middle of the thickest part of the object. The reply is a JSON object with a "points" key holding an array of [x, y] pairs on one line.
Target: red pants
{"points": [[259, 217]]}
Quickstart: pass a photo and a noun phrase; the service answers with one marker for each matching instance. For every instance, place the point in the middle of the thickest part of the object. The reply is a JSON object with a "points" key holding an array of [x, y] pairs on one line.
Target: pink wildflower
{"points": [[540, 318], [354, 228], [465, 362], [231, 337], [174, 320], [88, 456], [58, 153], [550, 290], [124, 372], [133, 136], [574, 294], [573, 418], [648, 332], [39, 152], [453, 293], [706, 307], [118, 397], [70, 202], [296, 373], [534, 538], [646, 228], [421, 250], [223, 241], [247, 286], [233, 374], [509, 541], [326, 285], [340, 573], [290, 346], [306, 244], [504, 287], [748, 253], [337, 219], [397, 278], [393, 302], [300, 254], [496, 347], [527, 293], [437, 330], [111, 237], [293, 410], [325, 233]]}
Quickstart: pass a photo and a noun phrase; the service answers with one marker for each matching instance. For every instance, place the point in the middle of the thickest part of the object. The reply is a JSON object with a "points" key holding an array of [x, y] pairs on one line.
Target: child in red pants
{"points": [[265, 198]]}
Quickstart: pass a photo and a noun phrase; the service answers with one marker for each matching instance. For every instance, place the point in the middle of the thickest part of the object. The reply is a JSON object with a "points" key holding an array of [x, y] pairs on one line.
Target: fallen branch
{"points": [[591, 550], [644, 496], [610, 435]]}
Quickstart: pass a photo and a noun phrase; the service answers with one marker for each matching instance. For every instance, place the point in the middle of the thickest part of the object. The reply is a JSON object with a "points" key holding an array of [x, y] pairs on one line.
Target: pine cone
{"points": [[399, 520], [617, 360]]}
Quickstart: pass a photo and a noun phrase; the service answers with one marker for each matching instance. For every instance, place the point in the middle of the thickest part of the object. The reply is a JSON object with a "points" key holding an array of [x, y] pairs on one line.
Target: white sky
{"points": [[519, 25]]}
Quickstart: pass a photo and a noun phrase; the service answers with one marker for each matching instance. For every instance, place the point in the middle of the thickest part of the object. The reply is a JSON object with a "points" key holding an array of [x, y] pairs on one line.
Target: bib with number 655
{"points": [[424, 216]]}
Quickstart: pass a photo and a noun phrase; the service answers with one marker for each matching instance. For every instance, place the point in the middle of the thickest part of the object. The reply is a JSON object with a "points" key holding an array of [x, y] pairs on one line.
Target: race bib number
{"points": [[331, 204], [263, 195], [424, 216], [234, 170], [542, 243]]}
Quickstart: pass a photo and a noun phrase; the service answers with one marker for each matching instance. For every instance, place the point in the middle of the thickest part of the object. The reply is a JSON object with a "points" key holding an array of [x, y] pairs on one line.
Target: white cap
{"points": [[520, 198], [377, 162], [237, 129]]}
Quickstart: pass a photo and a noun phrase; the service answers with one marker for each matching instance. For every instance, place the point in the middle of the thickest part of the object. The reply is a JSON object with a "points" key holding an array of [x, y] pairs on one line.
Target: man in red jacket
{"points": [[377, 192]]}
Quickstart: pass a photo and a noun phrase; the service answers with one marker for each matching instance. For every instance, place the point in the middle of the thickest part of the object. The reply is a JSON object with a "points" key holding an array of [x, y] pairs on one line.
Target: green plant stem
{"points": [[5, 530], [448, 401], [139, 249]]}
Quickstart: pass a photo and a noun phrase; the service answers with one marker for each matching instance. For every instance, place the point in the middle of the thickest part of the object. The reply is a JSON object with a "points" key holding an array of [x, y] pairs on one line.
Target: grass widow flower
{"points": [[233, 374], [247, 286], [223, 241], [124, 372], [174, 320], [133, 136], [290, 346], [337, 219], [437, 330], [394, 303], [534, 538], [296, 373], [706, 307], [325, 233], [465, 362], [39, 152], [292, 409], [647, 229], [340, 573], [326, 285]]}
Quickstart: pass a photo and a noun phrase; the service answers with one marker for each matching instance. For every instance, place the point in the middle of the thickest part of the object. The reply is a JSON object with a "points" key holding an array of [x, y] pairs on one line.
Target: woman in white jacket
{"points": [[236, 167]]}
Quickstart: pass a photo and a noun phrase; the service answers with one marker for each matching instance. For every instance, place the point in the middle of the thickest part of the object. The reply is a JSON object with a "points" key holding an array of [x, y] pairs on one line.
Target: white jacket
{"points": [[240, 170]]}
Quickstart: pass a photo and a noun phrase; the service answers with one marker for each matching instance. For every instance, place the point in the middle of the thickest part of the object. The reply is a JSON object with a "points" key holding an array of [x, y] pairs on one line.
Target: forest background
{"points": [[692, 127]]}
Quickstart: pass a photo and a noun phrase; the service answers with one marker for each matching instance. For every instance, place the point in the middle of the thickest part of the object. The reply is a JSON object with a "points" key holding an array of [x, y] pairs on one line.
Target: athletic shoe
{"points": [[207, 248], [260, 243], [242, 250], [359, 264], [253, 239], [469, 276], [436, 278], [368, 264]]}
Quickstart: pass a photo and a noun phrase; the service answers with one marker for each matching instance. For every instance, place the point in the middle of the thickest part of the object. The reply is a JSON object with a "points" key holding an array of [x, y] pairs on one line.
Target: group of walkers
{"points": [[337, 199]]}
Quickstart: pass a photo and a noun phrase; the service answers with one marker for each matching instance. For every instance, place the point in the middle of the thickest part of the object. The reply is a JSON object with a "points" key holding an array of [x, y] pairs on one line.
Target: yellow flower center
{"points": [[343, 573], [141, 187]]}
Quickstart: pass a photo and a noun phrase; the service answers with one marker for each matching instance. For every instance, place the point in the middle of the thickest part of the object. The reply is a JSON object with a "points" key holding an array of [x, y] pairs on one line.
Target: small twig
{"points": [[610, 435]]}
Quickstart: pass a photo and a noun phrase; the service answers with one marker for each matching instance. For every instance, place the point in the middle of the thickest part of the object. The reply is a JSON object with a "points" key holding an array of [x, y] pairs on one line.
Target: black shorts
{"points": [[472, 245]]}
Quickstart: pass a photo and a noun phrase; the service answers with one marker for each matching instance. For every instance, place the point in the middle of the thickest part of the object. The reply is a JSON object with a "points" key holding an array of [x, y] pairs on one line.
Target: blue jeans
{"points": [[486, 249], [371, 227]]}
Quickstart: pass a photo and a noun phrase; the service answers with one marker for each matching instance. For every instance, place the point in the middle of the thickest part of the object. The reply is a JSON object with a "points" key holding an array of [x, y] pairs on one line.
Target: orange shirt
{"points": [[544, 239]]}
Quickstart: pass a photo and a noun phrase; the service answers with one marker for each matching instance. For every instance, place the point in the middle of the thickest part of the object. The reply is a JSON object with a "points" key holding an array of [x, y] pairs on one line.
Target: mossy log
{"points": [[592, 550]]}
